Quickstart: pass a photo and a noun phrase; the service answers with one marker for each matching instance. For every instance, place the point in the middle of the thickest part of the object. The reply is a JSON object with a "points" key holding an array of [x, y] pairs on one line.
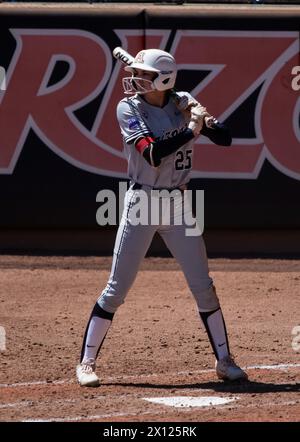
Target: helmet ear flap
{"points": [[164, 82]]}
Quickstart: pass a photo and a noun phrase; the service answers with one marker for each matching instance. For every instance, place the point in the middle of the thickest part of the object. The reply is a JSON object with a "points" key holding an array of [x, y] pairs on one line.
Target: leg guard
{"points": [[216, 330], [95, 332]]}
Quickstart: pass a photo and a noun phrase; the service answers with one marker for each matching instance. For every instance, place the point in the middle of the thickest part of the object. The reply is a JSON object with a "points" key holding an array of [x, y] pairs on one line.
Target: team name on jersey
{"points": [[171, 133]]}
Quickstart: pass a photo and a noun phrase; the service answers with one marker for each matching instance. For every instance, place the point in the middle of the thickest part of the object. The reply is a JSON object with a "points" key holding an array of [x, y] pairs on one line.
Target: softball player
{"points": [[158, 138]]}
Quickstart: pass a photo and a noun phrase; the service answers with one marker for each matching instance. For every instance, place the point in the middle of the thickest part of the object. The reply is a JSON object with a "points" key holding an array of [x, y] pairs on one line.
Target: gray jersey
{"points": [[137, 118]]}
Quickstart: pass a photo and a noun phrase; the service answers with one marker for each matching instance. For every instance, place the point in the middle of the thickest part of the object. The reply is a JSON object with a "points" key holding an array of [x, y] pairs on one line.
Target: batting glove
{"points": [[198, 115]]}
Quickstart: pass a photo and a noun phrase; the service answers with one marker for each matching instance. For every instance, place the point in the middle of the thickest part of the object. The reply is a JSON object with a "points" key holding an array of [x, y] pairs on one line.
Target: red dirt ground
{"points": [[156, 346]]}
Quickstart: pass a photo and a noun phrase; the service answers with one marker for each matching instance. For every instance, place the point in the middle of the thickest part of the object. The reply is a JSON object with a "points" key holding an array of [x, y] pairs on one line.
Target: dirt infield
{"points": [[156, 347]]}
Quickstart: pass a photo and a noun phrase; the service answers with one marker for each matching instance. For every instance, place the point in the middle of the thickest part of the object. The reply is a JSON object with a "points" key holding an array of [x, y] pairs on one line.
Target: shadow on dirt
{"points": [[221, 387]]}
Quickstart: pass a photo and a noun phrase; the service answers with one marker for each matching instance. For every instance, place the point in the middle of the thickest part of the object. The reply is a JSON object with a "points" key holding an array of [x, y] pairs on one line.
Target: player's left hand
{"points": [[198, 115], [185, 104]]}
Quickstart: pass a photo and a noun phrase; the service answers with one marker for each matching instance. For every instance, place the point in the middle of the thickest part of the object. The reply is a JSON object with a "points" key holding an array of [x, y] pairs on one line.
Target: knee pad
{"points": [[207, 300]]}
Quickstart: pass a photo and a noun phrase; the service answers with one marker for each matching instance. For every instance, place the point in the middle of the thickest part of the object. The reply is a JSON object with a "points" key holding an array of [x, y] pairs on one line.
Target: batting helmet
{"points": [[151, 60]]}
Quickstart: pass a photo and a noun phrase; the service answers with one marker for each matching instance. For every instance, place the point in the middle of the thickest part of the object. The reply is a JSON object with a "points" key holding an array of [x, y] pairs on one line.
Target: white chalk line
{"points": [[267, 404], [16, 404], [34, 383], [89, 418], [154, 413], [122, 395], [272, 367], [117, 396], [141, 376]]}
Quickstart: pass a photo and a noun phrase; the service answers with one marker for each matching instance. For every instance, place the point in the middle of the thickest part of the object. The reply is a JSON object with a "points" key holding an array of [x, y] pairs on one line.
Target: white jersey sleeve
{"points": [[131, 122]]}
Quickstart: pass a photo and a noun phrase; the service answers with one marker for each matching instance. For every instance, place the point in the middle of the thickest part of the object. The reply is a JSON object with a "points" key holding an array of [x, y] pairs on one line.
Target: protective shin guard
{"points": [[95, 333], [215, 327]]}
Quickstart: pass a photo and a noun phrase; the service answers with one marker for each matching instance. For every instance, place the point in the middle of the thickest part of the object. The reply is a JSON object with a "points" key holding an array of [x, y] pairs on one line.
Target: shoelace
{"points": [[88, 369]]}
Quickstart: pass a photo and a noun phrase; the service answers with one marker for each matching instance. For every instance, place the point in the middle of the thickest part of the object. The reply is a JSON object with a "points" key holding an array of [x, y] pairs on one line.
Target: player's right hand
{"points": [[198, 114]]}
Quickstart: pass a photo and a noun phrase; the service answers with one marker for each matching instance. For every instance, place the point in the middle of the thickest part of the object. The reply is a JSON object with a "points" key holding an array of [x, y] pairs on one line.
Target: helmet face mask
{"points": [[151, 60], [137, 85]]}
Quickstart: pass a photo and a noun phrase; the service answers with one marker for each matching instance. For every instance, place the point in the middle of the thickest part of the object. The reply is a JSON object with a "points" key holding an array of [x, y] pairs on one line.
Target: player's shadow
{"points": [[218, 386]]}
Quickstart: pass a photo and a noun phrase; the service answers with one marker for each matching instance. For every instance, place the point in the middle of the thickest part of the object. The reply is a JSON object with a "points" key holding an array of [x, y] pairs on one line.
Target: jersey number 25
{"points": [[183, 160]]}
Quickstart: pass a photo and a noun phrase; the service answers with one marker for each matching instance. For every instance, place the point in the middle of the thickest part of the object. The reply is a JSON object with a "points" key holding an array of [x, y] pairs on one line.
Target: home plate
{"points": [[190, 401]]}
